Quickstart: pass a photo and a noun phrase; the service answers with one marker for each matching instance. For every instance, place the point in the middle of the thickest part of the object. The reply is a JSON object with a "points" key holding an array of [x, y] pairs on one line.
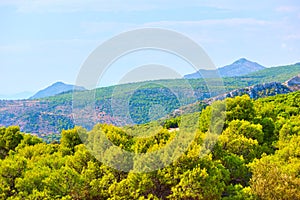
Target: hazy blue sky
{"points": [[48, 40]]}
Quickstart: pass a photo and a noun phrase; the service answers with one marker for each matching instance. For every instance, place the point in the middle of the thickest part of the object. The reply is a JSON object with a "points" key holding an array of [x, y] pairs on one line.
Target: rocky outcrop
{"points": [[255, 91], [293, 83]]}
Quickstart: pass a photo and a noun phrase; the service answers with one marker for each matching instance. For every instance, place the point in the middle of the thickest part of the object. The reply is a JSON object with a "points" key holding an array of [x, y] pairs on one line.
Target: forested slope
{"points": [[256, 156], [53, 114]]}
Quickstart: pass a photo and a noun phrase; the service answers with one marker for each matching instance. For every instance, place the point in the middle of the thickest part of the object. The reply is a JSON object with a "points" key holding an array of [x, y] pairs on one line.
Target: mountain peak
{"points": [[59, 83], [242, 60], [54, 89], [238, 68]]}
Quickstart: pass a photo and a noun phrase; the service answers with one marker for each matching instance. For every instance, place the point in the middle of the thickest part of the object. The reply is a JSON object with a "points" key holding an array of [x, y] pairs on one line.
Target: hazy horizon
{"points": [[28, 94]]}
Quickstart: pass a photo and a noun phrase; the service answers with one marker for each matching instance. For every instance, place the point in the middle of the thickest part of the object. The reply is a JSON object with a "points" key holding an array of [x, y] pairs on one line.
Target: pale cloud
{"points": [[293, 37], [74, 5], [283, 45], [212, 22], [101, 27], [235, 5], [287, 9], [287, 47], [200, 30], [14, 48], [97, 5]]}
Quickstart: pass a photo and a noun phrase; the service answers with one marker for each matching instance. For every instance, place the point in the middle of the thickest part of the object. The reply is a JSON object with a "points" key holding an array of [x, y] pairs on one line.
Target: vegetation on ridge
{"points": [[255, 157], [53, 114]]}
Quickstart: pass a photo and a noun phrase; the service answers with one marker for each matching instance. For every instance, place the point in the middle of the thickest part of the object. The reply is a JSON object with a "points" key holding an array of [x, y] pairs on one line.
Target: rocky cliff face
{"points": [[256, 91], [293, 83]]}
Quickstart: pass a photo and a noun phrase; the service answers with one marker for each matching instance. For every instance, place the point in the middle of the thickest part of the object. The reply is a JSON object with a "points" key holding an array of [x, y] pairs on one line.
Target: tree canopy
{"points": [[256, 155]]}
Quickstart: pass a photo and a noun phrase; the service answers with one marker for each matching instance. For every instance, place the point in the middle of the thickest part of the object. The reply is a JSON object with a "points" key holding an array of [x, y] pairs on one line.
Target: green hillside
{"points": [[133, 103], [248, 151], [279, 74]]}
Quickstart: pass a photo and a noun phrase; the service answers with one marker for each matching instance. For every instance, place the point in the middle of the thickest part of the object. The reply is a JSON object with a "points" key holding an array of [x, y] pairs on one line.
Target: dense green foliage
{"points": [[257, 156]]}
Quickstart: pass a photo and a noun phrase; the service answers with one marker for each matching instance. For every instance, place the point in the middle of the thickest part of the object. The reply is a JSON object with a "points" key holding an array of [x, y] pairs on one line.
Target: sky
{"points": [[45, 41]]}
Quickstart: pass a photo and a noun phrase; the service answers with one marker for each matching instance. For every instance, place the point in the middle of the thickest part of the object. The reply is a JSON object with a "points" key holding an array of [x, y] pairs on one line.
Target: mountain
{"points": [[238, 68], [56, 88], [135, 103], [21, 95]]}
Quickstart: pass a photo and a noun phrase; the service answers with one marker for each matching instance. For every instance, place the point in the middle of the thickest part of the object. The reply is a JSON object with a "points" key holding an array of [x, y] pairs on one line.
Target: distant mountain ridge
{"points": [[238, 68], [20, 95], [55, 89], [55, 113]]}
